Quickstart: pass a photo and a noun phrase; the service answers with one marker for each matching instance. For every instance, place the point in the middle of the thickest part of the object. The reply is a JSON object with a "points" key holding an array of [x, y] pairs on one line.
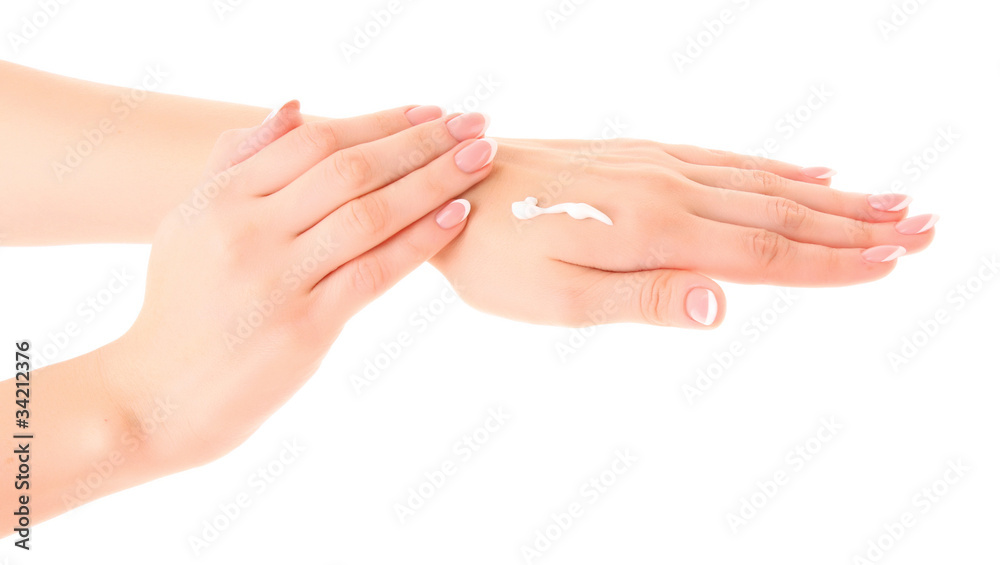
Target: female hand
{"points": [[296, 228], [681, 214]]}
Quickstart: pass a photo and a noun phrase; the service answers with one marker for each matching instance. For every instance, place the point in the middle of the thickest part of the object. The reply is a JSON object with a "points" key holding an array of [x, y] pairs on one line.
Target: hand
{"points": [[295, 229], [681, 214]]}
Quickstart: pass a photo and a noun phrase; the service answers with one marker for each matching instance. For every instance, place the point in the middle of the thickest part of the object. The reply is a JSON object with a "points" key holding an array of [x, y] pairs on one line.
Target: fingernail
{"points": [[467, 126], [453, 214], [889, 202], [274, 112], [883, 253], [818, 172], [917, 224], [477, 155], [423, 114], [702, 306]]}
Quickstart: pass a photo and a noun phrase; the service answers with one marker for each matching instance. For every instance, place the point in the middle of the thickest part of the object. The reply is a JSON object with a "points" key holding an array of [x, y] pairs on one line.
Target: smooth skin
{"points": [[246, 292], [681, 215], [298, 223]]}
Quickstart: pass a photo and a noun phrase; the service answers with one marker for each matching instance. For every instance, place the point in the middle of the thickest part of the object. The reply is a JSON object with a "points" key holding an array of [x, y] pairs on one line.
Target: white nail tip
{"points": [[493, 148], [930, 223], [899, 252], [713, 309], [468, 208], [906, 202], [272, 114]]}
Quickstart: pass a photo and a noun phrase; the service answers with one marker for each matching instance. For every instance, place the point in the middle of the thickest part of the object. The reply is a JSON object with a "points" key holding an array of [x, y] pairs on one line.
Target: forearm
{"points": [[84, 162], [82, 447]]}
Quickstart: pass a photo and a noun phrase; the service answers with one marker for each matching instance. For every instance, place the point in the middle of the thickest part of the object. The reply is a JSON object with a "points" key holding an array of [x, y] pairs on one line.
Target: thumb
{"points": [[662, 297], [237, 145]]}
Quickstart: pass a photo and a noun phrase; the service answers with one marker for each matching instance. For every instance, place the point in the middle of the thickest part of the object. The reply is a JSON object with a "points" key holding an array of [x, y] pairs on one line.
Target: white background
{"points": [[828, 356]]}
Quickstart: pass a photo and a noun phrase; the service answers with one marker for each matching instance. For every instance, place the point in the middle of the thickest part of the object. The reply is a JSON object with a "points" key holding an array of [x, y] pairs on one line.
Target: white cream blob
{"points": [[529, 209]]}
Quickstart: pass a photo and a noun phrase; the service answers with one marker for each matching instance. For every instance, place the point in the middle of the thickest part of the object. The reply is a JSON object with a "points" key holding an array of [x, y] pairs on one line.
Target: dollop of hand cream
{"points": [[529, 208]]}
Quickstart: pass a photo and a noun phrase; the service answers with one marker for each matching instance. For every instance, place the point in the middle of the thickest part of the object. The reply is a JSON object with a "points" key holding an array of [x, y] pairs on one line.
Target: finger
{"points": [[303, 147], [759, 256], [800, 223], [712, 157], [662, 297], [867, 207], [365, 222], [345, 291], [358, 170], [238, 145]]}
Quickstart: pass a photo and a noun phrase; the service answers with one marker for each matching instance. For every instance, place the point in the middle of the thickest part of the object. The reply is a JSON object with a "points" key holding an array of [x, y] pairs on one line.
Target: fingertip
{"points": [[453, 214], [704, 306], [422, 114]]}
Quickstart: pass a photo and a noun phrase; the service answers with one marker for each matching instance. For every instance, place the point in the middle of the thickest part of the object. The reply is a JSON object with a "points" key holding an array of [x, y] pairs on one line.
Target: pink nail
{"points": [[883, 253], [889, 202], [289, 104], [476, 155], [467, 126], [917, 224], [702, 306], [453, 214], [818, 172], [423, 114]]}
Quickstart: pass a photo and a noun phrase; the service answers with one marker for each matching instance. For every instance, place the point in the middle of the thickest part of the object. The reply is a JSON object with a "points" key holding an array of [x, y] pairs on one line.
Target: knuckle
{"points": [[656, 297], [788, 214], [368, 276], [859, 232], [353, 167], [386, 123], [368, 215], [320, 136], [768, 248], [768, 182]]}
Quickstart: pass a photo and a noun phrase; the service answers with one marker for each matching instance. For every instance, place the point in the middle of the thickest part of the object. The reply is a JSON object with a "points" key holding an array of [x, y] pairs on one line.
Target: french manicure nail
{"points": [[917, 224], [889, 202], [423, 114], [883, 253], [467, 126], [453, 214], [818, 172], [274, 112], [476, 155], [271, 115], [702, 306]]}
